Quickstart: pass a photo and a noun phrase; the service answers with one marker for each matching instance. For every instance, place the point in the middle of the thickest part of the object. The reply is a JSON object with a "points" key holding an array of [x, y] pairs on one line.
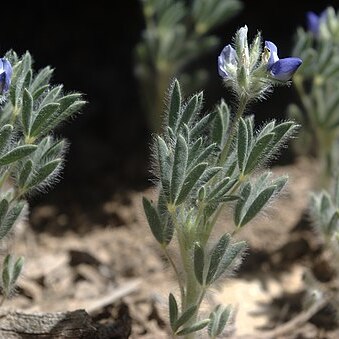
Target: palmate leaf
{"points": [[189, 110], [16, 154], [43, 173], [234, 252], [42, 118], [25, 173], [21, 78], [5, 135], [192, 178], [259, 202], [67, 100], [56, 149], [179, 167], [242, 143], [173, 309], [160, 223], [220, 186], [258, 152], [3, 210], [244, 195], [185, 316], [202, 155], [41, 81], [208, 174], [61, 116], [51, 95], [175, 105], [194, 328], [194, 150], [17, 70], [332, 226], [199, 261], [11, 270], [216, 257], [218, 320], [221, 124], [164, 166], [202, 125], [154, 221], [10, 218], [282, 131], [255, 196], [26, 111]]}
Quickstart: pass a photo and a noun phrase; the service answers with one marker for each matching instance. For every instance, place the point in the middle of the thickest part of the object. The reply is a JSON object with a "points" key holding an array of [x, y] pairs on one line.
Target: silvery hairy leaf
{"points": [[218, 320]]}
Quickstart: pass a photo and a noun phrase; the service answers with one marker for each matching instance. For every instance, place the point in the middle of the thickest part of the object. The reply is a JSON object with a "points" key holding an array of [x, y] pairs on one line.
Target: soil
{"points": [[116, 271]]}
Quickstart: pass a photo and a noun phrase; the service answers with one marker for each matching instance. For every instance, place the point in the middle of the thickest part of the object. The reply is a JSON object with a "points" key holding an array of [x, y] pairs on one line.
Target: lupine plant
{"points": [[31, 157], [205, 163], [177, 32], [324, 210], [317, 84]]}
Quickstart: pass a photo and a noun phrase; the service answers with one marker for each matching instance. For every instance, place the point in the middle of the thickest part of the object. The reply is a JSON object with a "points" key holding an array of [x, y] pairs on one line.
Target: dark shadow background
{"points": [[90, 45]]}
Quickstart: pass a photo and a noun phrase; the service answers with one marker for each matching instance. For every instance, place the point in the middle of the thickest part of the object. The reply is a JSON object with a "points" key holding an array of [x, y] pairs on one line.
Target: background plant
{"points": [[177, 32], [317, 84], [324, 210], [205, 163], [31, 157]]}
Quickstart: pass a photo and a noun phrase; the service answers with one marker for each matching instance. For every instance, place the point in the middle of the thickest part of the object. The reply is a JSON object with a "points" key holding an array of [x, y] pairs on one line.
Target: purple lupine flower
{"points": [[314, 21], [228, 56], [281, 69], [5, 75]]}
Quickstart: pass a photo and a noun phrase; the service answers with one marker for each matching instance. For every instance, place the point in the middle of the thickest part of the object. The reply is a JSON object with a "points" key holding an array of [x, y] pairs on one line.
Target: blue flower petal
{"points": [[7, 67], [284, 69], [227, 56], [8, 70], [5, 75], [313, 22], [221, 68], [273, 52], [2, 82]]}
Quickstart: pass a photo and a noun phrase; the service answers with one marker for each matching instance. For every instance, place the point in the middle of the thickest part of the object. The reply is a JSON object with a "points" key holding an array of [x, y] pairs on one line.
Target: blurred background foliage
{"points": [[92, 49], [176, 33]]}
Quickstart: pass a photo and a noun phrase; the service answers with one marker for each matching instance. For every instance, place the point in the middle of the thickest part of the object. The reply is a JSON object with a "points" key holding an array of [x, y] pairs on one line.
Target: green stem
{"points": [[241, 108], [182, 255], [170, 260], [225, 152], [194, 293], [191, 293]]}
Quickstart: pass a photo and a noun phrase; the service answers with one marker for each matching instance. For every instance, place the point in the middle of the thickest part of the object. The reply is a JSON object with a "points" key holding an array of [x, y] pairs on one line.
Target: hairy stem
{"points": [[241, 108], [170, 260], [192, 293]]}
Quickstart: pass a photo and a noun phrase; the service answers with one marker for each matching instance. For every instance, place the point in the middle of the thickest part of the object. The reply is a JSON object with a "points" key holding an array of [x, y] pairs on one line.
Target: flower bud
{"points": [[227, 61]]}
